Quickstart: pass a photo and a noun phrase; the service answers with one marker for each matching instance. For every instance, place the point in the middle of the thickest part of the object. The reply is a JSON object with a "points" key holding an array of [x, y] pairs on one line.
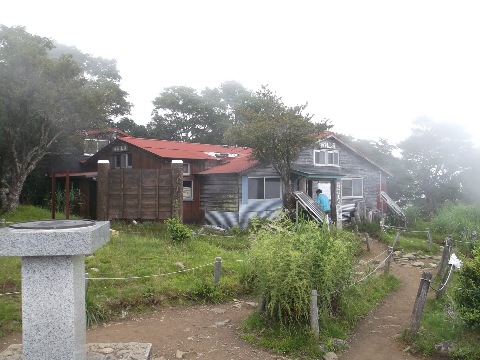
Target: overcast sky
{"points": [[371, 67]]}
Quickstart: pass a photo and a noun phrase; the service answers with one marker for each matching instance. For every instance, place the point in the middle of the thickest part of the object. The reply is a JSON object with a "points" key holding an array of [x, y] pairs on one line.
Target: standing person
{"points": [[323, 202]]}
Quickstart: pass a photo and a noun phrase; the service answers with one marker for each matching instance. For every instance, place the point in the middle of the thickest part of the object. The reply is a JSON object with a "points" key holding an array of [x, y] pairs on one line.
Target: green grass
{"points": [[441, 323], [147, 251], [412, 242], [28, 213]]}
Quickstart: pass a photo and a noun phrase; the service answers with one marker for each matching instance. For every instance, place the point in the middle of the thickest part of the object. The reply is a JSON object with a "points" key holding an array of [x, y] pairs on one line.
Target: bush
{"points": [[178, 231], [288, 263], [413, 215], [457, 219], [468, 295]]}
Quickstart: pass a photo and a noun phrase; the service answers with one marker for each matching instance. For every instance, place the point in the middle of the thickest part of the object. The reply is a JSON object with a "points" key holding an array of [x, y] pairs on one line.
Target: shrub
{"points": [[178, 231], [468, 295], [413, 214], [288, 263], [457, 219]]}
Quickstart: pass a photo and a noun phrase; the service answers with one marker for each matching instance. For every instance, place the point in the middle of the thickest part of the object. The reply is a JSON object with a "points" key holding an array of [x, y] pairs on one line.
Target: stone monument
{"points": [[53, 283]]}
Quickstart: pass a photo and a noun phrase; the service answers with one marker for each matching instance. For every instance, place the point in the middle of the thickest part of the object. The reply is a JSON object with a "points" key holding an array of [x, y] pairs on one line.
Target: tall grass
{"points": [[287, 265], [457, 219]]}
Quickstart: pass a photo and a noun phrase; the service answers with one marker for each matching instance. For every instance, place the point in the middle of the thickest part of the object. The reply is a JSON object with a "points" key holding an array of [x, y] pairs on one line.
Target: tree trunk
{"points": [[16, 168], [10, 196]]}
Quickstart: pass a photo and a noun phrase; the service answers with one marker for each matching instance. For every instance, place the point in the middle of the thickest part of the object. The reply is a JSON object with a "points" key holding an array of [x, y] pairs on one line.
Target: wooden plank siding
{"points": [[355, 166], [351, 165], [141, 159], [220, 192], [139, 194]]}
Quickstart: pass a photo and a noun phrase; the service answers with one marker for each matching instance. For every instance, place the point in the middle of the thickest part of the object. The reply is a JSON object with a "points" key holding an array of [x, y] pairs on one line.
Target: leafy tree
{"points": [[276, 133], [231, 97], [438, 157], [46, 97], [130, 127], [181, 114], [470, 177]]}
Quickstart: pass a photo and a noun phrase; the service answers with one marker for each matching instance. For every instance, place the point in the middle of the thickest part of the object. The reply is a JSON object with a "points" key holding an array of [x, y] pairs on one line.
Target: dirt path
{"points": [[375, 337], [211, 332]]}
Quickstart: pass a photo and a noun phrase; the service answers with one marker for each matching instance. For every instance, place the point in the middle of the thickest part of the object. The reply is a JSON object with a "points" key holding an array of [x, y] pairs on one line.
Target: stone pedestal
{"points": [[53, 283]]}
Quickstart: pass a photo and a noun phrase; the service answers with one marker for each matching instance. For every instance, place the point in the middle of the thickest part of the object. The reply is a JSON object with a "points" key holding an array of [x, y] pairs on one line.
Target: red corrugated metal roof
{"points": [[232, 159], [236, 165]]}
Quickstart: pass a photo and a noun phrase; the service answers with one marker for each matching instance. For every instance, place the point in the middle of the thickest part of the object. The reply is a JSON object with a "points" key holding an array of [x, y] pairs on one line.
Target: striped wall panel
{"points": [[223, 219], [268, 209]]}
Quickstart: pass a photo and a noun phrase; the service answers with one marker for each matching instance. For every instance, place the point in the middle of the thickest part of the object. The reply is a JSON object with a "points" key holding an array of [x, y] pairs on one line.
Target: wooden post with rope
{"points": [[420, 300]]}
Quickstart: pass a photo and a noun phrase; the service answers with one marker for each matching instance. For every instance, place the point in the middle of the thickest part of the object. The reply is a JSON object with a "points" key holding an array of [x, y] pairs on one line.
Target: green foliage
{"points": [[372, 228], [297, 340], [276, 133], [46, 97], [288, 264], [179, 232], [439, 158], [130, 127], [458, 220], [468, 295], [75, 200], [441, 322], [413, 214], [183, 114], [27, 213]]}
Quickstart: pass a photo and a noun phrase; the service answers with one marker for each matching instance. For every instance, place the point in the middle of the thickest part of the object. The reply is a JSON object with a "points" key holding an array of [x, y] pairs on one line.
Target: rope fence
{"points": [[217, 272], [150, 276]]}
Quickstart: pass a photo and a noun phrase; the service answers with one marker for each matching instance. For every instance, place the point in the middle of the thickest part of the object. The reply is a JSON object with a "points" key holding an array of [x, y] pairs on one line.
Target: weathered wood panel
{"points": [[221, 192], [140, 194]]}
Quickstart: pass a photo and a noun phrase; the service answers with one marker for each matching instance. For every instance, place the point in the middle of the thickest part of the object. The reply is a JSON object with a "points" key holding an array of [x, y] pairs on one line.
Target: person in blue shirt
{"points": [[323, 202]]}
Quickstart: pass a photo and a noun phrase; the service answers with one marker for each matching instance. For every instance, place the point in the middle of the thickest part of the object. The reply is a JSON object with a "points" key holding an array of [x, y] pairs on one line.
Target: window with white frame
{"points": [[261, 188], [186, 169], [121, 161], [187, 189], [326, 157], [352, 188]]}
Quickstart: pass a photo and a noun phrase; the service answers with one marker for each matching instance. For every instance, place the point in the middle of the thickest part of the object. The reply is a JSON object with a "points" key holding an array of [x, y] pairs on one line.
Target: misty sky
{"points": [[371, 67]]}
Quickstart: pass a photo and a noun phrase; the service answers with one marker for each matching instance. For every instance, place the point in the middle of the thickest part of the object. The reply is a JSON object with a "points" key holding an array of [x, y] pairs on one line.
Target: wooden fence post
{"points": [[447, 249], [67, 194], [262, 304], [420, 300], [102, 189], [217, 270], [429, 239], [177, 189], [397, 237], [53, 194], [367, 240], [388, 260], [314, 313]]}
